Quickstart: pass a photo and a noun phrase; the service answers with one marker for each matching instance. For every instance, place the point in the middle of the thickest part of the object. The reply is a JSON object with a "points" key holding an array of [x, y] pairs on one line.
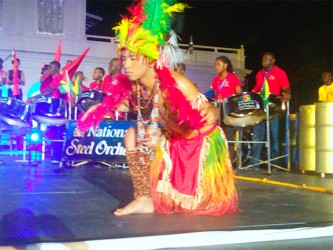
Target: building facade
{"points": [[34, 27]]}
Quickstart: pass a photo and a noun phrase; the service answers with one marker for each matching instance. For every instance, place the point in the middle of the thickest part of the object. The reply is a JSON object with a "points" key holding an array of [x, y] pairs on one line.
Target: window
{"points": [[50, 16]]}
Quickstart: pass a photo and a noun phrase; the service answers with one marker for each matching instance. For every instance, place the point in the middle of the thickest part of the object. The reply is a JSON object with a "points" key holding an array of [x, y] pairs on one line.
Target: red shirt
{"points": [[94, 86], [225, 87], [49, 81], [110, 83], [84, 87], [277, 80]]}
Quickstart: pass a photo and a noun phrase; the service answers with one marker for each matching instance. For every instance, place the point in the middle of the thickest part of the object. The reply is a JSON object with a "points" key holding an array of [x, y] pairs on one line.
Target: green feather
{"points": [[171, 2], [158, 22]]}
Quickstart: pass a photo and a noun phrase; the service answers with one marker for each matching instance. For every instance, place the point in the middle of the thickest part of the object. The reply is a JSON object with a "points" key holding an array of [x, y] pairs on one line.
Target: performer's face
{"points": [[220, 66], [135, 66], [327, 78], [267, 61], [53, 69], [97, 74], [80, 76], [46, 70], [114, 66]]}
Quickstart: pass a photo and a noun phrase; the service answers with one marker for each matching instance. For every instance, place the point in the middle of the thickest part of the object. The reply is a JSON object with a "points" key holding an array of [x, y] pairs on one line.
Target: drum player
{"points": [[50, 83], [21, 81], [98, 75], [117, 88], [278, 85], [2, 76], [226, 84], [325, 92]]}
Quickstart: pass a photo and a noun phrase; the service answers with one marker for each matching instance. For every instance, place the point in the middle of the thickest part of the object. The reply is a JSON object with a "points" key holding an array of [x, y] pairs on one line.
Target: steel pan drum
{"points": [[50, 110], [243, 109], [86, 99], [276, 107], [14, 112]]}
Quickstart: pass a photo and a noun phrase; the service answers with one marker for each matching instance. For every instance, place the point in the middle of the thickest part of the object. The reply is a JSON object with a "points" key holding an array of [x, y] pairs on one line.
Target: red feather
{"points": [[136, 10], [178, 100]]}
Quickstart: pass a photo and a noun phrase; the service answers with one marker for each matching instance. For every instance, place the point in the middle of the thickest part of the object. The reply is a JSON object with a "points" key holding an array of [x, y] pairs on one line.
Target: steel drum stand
{"points": [[287, 142], [267, 143]]}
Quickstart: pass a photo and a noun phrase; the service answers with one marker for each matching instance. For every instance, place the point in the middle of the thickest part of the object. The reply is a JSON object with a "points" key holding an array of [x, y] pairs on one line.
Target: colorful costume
{"points": [[188, 166], [193, 175]]}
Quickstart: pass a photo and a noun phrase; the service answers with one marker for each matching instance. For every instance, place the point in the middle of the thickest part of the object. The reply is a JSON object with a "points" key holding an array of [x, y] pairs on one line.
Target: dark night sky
{"points": [[298, 32]]}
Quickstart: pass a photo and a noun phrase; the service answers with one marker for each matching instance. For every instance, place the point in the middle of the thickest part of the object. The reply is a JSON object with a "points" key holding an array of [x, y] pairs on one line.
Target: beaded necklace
{"points": [[147, 129]]}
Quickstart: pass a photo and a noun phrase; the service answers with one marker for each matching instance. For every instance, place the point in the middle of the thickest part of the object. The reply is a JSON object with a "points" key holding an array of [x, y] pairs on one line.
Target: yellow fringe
{"points": [[184, 200], [285, 184]]}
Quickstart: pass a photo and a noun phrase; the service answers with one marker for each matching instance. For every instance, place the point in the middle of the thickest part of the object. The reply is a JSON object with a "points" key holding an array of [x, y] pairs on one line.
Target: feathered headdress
{"points": [[148, 30]]}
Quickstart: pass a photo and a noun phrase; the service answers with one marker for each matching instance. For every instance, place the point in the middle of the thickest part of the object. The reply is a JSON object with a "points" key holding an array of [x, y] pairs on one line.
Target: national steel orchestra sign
{"points": [[105, 143]]}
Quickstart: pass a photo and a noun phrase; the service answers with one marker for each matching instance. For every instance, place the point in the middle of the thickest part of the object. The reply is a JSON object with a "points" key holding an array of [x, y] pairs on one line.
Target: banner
{"points": [[105, 143]]}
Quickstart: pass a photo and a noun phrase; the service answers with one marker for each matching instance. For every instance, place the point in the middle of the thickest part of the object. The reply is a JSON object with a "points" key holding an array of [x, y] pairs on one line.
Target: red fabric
{"points": [[84, 87], [177, 99], [117, 90], [55, 83], [16, 89], [58, 52], [277, 80], [45, 83], [94, 86], [49, 81], [185, 154], [228, 88], [74, 65], [110, 84]]}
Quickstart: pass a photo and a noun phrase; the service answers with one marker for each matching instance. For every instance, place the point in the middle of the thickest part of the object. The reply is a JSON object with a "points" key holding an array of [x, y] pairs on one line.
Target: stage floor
{"points": [[38, 205]]}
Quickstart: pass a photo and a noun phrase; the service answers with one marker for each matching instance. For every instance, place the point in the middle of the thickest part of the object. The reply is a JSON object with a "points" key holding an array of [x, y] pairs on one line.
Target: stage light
{"points": [[35, 136], [43, 127]]}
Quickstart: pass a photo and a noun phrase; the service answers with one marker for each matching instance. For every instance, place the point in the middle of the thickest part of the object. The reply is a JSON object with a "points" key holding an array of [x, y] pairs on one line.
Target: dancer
{"points": [[186, 169]]}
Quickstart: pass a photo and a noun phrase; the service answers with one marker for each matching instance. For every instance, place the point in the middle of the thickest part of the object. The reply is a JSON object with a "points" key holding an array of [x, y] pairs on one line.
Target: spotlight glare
{"points": [[43, 127], [34, 137]]}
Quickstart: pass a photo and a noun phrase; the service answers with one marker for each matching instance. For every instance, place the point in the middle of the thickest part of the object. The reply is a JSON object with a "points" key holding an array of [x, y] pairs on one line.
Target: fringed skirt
{"points": [[194, 176]]}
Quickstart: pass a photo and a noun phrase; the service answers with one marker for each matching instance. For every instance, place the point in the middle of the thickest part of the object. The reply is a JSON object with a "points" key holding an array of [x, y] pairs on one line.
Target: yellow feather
{"points": [[178, 7]]}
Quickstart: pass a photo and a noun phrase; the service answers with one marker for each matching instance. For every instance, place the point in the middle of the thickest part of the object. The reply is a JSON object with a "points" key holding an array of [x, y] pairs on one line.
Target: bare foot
{"points": [[141, 205]]}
